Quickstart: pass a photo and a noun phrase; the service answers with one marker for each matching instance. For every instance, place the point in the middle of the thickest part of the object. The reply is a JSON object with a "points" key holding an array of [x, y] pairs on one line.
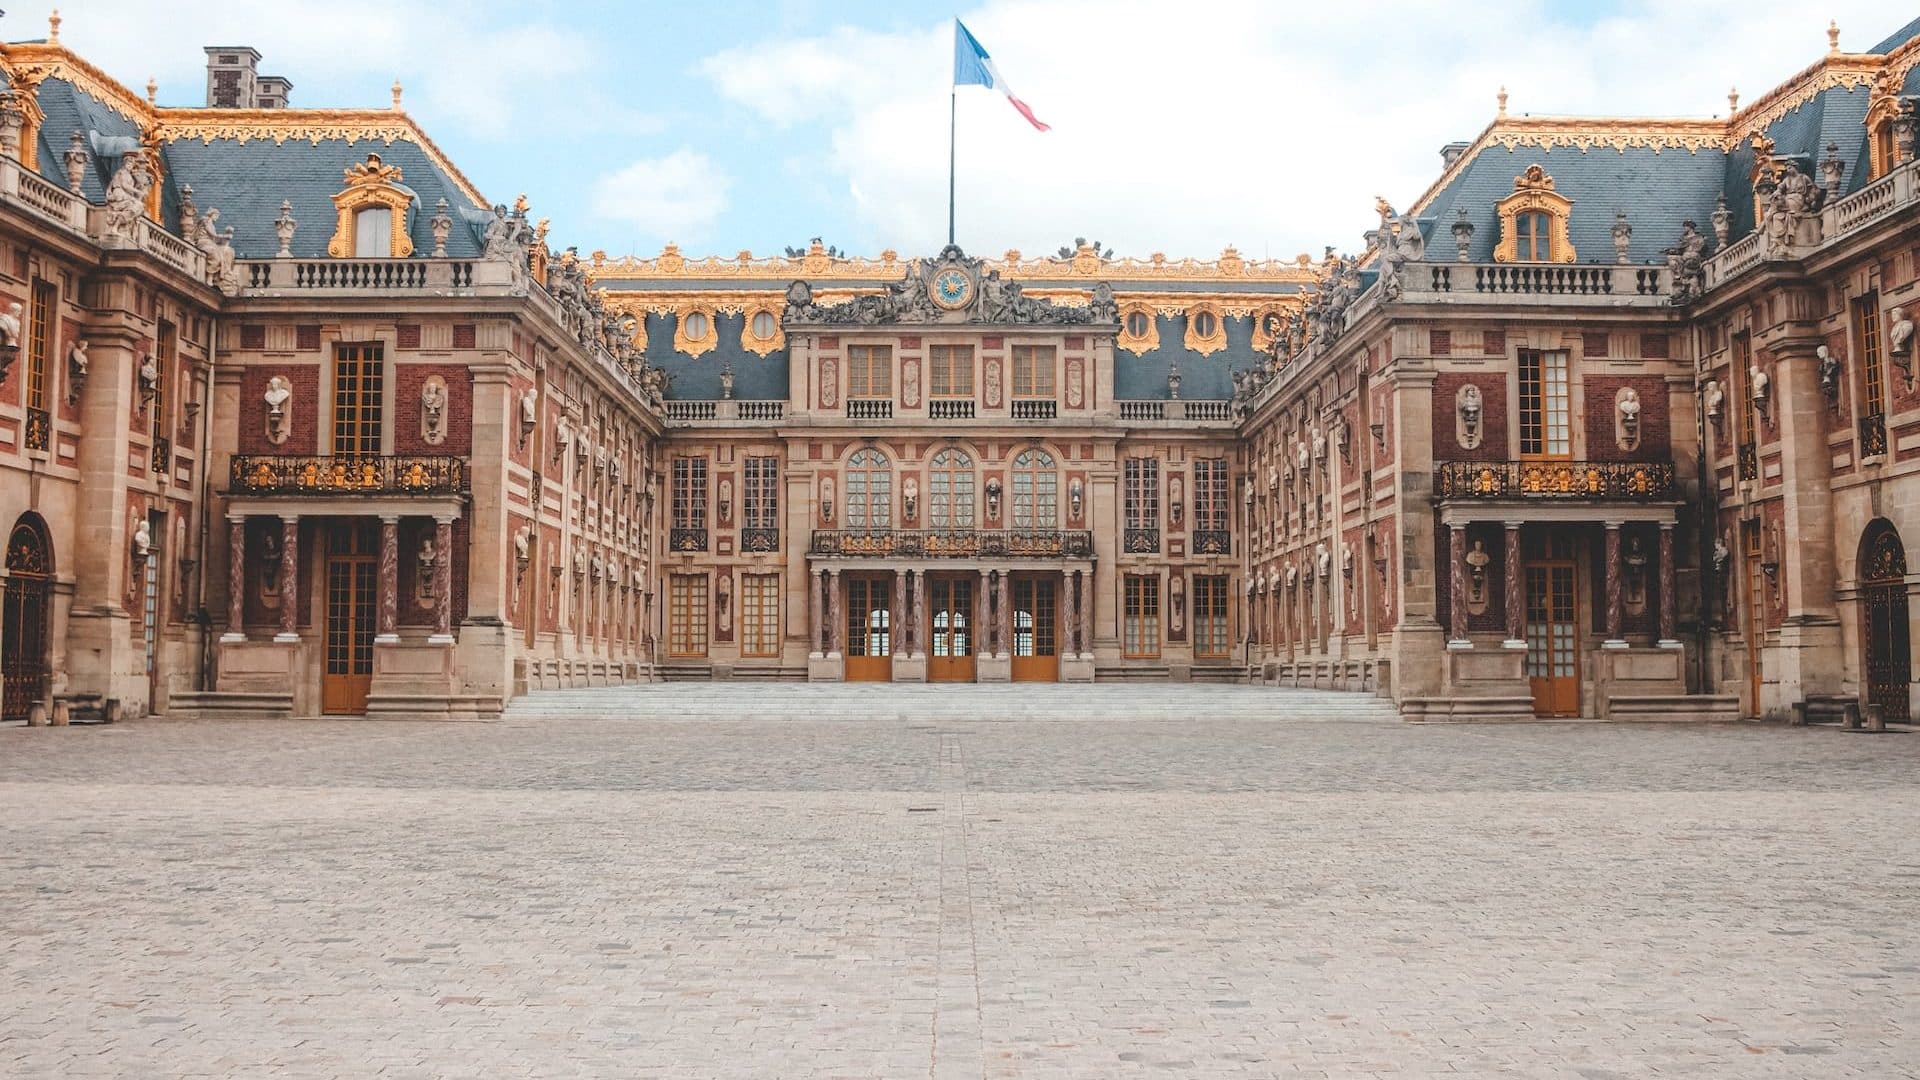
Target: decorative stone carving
{"points": [[529, 414], [1462, 235], [1076, 393], [1076, 494], [1319, 445], [1900, 339], [1176, 499], [1722, 219], [1832, 172], [283, 227], [433, 410], [950, 287], [1829, 373], [1622, 236], [562, 437], [508, 242], [1722, 552], [76, 159], [142, 540], [1906, 121], [1635, 562], [1173, 380], [442, 225], [723, 502], [910, 383], [1686, 265], [993, 498], [1293, 575], [77, 364], [1477, 561], [826, 500], [1469, 406], [427, 562], [829, 383], [1761, 382], [723, 602], [1177, 609], [992, 383], [910, 498], [1322, 561], [126, 199], [147, 378], [1713, 399], [10, 337], [1626, 408], [279, 400]]}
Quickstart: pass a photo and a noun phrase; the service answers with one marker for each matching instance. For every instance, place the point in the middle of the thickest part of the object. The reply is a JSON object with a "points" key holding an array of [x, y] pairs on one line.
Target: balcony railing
{"points": [[1035, 409], [39, 432], [759, 539], [358, 275], [953, 544], [948, 409], [1621, 480], [262, 474], [724, 411], [1212, 541], [1536, 279], [1749, 462], [1143, 410], [869, 408], [1873, 434], [162, 457], [687, 538], [1141, 541]]}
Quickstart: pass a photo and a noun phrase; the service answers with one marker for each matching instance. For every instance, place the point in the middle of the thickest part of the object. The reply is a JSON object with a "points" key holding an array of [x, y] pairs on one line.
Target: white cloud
{"points": [[666, 198], [1264, 125]]}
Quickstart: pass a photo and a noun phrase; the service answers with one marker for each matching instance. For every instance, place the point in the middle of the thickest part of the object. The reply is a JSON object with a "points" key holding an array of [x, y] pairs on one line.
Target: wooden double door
{"points": [[951, 634], [869, 656], [1553, 637], [1036, 627], [353, 583]]}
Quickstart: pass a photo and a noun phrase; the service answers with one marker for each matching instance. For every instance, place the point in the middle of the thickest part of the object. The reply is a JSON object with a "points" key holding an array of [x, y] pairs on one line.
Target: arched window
{"points": [[950, 482], [869, 491], [373, 233], [1035, 491], [1533, 237], [1534, 221]]}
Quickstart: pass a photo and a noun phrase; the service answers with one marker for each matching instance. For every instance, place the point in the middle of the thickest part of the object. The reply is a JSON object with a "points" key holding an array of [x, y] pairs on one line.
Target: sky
{"points": [[1177, 127]]}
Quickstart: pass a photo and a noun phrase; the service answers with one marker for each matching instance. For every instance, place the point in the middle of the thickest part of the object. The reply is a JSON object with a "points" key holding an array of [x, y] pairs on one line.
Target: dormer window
{"points": [[1533, 221], [373, 233], [372, 213], [1880, 144]]}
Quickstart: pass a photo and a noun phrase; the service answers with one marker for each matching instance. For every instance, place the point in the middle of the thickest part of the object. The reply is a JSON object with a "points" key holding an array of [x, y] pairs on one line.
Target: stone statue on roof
{"points": [[222, 271], [506, 242], [127, 197], [1686, 264]]}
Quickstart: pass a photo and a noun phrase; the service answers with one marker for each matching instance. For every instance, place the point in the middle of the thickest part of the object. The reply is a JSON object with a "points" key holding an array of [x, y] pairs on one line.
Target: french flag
{"points": [[973, 67]]}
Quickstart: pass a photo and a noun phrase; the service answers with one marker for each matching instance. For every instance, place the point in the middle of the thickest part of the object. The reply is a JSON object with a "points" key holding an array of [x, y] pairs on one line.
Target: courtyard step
{"points": [[900, 702]]}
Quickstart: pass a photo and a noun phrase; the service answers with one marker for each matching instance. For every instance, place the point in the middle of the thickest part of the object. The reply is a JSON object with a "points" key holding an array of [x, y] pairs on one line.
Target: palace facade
{"points": [[1617, 419]]}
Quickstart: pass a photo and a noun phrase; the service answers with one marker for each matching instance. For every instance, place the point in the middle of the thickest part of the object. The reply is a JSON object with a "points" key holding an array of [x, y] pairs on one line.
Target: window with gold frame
{"points": [[1534, 221]]}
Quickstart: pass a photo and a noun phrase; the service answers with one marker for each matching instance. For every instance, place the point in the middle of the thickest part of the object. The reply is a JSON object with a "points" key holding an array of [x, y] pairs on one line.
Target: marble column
{"points": [[983, 617], [894, 591], [817, 588], [921, 632], [836, 615], [1069, 613], [1457, 588], [1515, 578], [1614, 638], [442, 581], [389, 623], [289, 580], [1669, 603], [1006, 615], [1088, 593], [236, 580]]}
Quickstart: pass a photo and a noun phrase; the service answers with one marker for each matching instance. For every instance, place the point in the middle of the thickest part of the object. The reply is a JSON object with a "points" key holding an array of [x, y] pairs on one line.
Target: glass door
{"points": [[950, 604], [1035, 629]]}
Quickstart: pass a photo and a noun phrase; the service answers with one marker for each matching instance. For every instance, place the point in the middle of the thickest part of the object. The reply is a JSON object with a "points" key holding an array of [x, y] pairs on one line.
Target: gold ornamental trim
{"points": [[817, 265], [1138, 343], [313, 126], [372, 184], [1205, 344], [1533, 192]]}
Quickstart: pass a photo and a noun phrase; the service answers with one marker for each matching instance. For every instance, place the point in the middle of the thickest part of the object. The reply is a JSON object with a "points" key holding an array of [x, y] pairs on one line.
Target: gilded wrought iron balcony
{"points": [[1620, 480], [752, 539], [39, 432], [1212, 541], [266, 474], [1140, 541], [686, 538], [954, 543]]}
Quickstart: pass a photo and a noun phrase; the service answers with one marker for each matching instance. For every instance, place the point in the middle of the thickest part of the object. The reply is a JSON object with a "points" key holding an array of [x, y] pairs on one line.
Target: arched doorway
{"points": [[24, 667], [1883, 605]]}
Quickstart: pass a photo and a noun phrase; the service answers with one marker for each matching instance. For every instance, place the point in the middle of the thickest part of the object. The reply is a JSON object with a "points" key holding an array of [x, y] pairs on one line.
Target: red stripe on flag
{"points": [[1028, 113]]}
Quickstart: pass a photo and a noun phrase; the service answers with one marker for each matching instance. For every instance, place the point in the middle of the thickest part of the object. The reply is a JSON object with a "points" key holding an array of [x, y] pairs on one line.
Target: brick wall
{"points": [[1655, 443], [303, 428], [408, 434], [1493, 417]]}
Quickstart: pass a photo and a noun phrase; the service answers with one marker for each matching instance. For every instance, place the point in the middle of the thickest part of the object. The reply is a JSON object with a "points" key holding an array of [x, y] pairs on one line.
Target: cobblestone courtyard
{"points": [[1239, 891]]}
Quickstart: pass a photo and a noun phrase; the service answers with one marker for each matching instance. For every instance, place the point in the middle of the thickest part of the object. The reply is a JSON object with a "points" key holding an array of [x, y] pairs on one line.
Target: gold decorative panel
{"points": [[371, 184]]}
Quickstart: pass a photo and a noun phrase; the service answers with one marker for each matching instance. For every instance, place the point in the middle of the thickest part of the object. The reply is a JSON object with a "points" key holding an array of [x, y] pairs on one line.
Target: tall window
{"points": [[373, 233], [760, 501], [1035, 491], [869, 371], [1882, 157], [1742, 366], [359, 399], [869, 491], [1545, 429], [39, 344], [1142, 495], [1533, 236], [1866, 345], [690, 493], [1210, 615], [951, 370], [1210, 495], [166, 351], [1141, 611], [687, 614], [760, 615], [1033, 371], [950, 483]]}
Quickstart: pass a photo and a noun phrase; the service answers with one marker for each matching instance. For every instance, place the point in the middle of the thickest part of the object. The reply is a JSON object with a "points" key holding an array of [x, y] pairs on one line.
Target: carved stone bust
{"points": [[279, 401]]}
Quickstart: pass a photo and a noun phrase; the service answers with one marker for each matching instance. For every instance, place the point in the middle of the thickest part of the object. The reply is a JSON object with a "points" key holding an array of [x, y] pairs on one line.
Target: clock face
{"points": [[952, 288]]}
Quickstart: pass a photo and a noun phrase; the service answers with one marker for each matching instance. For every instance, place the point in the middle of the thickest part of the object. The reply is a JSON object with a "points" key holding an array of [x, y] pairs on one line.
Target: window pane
{"points": [[373, 233]]}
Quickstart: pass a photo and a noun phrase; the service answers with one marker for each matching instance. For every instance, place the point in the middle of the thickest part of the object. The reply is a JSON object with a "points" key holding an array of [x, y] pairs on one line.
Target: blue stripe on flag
{"points": [[967, 56]]}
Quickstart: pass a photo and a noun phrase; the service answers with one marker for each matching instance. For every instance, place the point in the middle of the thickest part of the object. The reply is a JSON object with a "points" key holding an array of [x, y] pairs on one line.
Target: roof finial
{"points": [[1833, 35], [396, 95], [153, 91], [1501, 97], [53, 26], [1733, 100]]}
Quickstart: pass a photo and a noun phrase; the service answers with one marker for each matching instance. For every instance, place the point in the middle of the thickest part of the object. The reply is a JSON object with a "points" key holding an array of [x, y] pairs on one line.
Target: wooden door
{"points": [[1036, 613], [869, 653], [353, 572], [1553, 638], [950, 613]]}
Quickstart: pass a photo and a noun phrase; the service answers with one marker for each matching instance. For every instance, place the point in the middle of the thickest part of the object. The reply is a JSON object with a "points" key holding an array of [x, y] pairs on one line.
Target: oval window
{"points": [[1137, 324], [763, 324], [696, 326], [1204, 324]]}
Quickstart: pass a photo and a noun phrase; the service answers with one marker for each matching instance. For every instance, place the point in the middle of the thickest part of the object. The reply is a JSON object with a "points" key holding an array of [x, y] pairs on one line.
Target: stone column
{"points": [[983, 617], [1614, 638], [389, 624], [836, 615], [894, 589], [1006, 615], [1088, 594], [289, 580], [442, 581], [1669, 603], [236, 580], [921, 632], [817, 611], [1457, 587], [1069, 613], [1515, 578], [1810, 656]]}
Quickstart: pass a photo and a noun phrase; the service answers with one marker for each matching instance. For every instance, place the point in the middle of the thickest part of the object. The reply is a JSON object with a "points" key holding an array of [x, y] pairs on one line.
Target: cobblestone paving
{"points": [[804, 897]]}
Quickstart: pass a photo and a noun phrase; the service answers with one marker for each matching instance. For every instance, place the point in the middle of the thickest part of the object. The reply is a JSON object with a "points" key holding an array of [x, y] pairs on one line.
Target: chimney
{"points": [[231, 82], [1451, 152], [271, 92]]}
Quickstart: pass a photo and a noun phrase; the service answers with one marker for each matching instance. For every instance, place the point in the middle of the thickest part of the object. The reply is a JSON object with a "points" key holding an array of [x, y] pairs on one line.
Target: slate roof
{"points": [[1898, 38]]}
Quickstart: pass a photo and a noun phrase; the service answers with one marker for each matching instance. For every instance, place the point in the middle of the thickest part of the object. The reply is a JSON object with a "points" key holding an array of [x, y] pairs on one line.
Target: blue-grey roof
{"points": [[1143, 377], [697, 378], [68, 109], [1898, 38]]}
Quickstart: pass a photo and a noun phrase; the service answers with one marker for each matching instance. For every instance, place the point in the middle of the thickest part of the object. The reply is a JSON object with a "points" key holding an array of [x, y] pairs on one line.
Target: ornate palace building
{"points": [[1617, 419]]}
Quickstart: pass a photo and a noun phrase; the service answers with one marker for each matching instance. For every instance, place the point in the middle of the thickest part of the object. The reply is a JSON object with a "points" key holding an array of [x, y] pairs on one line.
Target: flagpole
{"points": [[953, 97]]}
